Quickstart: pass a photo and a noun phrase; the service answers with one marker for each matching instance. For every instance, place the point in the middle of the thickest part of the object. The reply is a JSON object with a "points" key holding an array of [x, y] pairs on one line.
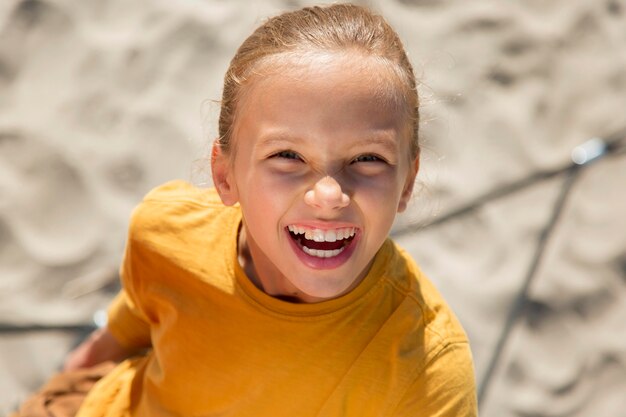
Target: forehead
{"points": [[371, 76], [323, 93]]}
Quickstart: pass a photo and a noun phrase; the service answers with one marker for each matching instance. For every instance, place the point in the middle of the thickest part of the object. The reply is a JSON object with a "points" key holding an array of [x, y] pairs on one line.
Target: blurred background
{"points": [[101, 100]]}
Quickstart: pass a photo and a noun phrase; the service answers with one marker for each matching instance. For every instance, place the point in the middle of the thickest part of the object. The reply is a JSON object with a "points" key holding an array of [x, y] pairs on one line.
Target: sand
{"points": [[101, 100]]}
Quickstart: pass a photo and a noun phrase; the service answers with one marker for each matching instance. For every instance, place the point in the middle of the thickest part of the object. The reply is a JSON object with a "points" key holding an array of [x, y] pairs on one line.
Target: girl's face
{"points": [[321, 166]]}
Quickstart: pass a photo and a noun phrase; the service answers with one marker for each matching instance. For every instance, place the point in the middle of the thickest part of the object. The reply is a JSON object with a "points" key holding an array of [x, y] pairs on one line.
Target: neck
{"points": [[271, 281]]}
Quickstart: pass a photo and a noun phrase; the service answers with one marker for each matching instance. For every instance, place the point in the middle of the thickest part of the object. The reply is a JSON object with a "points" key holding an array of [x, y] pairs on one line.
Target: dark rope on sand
{"points": [[8, 328], [613, 145], [521, 300]]}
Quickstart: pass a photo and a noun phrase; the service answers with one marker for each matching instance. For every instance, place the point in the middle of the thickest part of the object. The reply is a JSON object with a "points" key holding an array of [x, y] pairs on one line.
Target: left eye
{"points": [[367, 158], [287, 155]]}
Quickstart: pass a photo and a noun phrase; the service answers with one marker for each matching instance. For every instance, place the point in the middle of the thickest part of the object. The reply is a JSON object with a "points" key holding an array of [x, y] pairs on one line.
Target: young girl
{"points": [[278, 293]]}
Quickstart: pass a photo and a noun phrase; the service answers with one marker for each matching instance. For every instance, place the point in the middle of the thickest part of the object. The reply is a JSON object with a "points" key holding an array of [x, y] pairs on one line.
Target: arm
{"points": [[99, 347], [445, 388], [126, 334]]}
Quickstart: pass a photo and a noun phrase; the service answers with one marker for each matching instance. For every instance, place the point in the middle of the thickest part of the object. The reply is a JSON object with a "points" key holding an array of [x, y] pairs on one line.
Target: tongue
{"points": [[311, 244]]}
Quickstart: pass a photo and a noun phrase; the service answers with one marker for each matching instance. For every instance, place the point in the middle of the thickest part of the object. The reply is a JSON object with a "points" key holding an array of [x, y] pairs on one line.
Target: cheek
{"points": [[381, 188], [378, 199], [264, 202], [282, 186]]}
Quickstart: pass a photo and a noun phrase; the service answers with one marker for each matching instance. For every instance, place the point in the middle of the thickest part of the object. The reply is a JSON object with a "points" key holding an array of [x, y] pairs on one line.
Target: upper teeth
{"points": [[319, 235]]}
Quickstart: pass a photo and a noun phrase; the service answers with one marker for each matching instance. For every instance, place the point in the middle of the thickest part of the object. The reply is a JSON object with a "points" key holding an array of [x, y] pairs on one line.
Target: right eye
{"points": [[287, 155]]}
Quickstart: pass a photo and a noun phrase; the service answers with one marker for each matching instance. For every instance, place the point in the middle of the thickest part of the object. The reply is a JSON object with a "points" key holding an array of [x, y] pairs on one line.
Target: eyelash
{"points": [[287, 155], [292, 155], [368, 158]]}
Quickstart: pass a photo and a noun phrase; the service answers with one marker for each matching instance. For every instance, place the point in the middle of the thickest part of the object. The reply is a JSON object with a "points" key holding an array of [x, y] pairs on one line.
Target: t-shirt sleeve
{"points": [[445, 388], [127, 321], [132, 312]]}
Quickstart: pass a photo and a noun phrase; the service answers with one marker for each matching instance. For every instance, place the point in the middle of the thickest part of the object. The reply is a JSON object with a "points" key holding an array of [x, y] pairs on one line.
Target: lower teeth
{"points": [[322, 253]]}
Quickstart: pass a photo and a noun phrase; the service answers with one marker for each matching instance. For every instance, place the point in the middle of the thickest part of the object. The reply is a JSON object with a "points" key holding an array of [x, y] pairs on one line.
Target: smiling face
{"points": [[321, 166]]}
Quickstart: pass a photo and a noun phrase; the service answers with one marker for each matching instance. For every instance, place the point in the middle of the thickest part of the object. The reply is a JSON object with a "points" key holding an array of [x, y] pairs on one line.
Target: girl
{"points": [[278, 293]]}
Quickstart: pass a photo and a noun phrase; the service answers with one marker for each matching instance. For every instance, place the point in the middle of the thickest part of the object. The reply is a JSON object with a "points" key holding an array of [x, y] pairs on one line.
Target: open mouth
{"points": [[322, 243]]}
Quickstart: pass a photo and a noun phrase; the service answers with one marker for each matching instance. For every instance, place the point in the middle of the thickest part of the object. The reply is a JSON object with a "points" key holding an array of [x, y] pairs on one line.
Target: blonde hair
{"points": [[337, 27]]}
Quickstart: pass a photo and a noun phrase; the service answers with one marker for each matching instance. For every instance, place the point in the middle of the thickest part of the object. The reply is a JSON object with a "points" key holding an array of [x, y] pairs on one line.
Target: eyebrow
{"points": [[377, 139], [275, 138]]}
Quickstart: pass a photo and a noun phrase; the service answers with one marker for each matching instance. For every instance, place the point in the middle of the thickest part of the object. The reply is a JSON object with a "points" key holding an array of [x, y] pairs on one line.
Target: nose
{"points": [[327, 194]]}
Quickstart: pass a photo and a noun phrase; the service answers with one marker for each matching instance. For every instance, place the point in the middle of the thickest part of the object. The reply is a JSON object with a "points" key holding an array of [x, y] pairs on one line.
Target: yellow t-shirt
{"points": [[222, 347]]}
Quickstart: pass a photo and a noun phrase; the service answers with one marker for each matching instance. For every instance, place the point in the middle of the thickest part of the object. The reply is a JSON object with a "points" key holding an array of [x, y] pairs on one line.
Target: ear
{"points": [[407, 191], [222, 175]]}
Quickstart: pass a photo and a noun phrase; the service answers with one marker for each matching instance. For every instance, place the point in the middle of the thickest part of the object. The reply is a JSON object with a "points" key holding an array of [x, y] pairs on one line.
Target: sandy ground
{"points": [[100, 100]]}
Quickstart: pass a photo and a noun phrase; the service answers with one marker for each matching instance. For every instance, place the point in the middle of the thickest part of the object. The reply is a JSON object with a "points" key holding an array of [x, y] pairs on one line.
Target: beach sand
{"points": [[101, 100]]}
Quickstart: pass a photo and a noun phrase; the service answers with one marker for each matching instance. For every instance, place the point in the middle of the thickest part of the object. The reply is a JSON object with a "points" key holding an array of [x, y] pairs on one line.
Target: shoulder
{"points": [[435, 315], [177, 209], [445, 388], [175, 199], [442, 382], [179, 191], [444, 376]]}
